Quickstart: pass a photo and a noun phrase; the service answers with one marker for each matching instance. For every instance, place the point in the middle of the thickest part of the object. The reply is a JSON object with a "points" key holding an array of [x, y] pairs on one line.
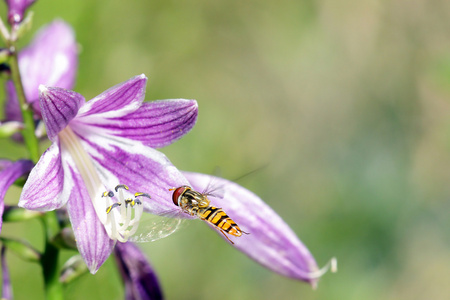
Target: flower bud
{"points": [[16, 10]]}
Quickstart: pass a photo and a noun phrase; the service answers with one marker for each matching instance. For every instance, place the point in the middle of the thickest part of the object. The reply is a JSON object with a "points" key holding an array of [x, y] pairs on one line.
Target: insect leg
{"points": [[226, 236]]}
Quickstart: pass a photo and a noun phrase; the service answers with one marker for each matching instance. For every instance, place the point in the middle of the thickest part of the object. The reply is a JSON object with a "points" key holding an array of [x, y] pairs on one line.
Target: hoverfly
{"points": [[198, 205], [187, 201], [125, 219]]}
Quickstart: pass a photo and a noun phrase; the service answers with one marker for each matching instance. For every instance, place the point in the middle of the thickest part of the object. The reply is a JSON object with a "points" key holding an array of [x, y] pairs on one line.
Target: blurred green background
{"points": [[346, 103]]}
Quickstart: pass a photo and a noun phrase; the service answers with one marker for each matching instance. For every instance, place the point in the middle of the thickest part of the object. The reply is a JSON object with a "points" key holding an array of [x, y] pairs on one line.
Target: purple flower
{"points": [[51, 59], [16, 9], [270, 241], [99, 145], [9, 172], [139, 278], [7, 293]]}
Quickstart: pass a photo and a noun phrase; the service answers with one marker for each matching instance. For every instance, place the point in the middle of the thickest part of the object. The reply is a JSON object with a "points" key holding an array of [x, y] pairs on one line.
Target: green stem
{"points": [[49, 261], [28, 132]]}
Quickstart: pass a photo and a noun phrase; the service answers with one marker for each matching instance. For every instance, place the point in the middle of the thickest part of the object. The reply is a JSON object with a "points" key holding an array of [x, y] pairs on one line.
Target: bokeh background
{"points": [[346, 106]]}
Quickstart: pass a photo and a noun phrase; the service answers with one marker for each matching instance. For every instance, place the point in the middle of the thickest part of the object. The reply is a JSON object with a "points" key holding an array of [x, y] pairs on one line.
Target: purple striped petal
{"points": [[9, 172], [156, 124], [143, 169], [12, 109], [51, 59], [270, 241], [59, 106], [7, 293], [117, 101], [139, 278], [92, 240], [43, 190], [16, 9]]}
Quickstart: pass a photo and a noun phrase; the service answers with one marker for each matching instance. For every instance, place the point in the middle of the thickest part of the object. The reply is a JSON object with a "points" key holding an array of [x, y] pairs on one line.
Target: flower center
{"points": [[120, 223], [128, 213]]}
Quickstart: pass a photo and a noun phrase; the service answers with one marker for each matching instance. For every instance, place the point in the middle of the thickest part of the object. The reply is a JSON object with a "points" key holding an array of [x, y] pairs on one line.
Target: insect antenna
{"points": [[218, 190]]}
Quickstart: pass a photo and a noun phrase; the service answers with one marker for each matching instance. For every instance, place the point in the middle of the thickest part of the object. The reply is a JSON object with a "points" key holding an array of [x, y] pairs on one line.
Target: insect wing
{"points": [[214, 189], [153, 227]]}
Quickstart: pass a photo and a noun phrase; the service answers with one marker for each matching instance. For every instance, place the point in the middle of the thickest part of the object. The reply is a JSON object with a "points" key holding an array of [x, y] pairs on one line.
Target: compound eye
{"points": [[178, 193]]}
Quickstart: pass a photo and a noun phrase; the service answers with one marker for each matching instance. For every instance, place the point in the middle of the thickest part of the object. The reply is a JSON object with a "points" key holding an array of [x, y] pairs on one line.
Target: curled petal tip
{"points": [[139, 77], [42, 89], [330, 266], [58, 107]]}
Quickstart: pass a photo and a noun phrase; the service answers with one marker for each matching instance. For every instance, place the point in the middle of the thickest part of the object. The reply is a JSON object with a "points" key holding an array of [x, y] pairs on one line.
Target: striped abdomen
{"points": [[217, 217]]}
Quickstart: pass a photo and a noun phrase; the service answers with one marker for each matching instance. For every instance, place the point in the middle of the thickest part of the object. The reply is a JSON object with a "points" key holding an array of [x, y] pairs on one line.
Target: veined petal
{"points": [[59, 106], [117, 101], [139, 278], [156, 124], [51, 59], [123, 161], [9, 172], [16, 9], [93, 242], [43, 190], [270, 241], [12, 109]]}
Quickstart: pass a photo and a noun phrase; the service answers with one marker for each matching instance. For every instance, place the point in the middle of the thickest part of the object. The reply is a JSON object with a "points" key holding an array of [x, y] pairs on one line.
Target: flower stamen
{"points": [[121, 186], [108, 210], [330, 266], [124, 221]]}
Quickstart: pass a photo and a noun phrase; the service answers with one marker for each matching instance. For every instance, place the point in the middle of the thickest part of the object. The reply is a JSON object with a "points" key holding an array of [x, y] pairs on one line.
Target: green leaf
{"points": [[65, 239], [73, 269], [17, 214], [24, 26], [22, 249], [7, 129]]}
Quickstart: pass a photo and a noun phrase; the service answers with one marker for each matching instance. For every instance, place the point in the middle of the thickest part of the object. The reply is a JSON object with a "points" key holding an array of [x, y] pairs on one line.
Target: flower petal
{"points": [[117, 101], [51, 59], [12, 109], [92, 240], [7, 293], [270, 241], [43, 190], [59, 106], [156, 124], [140, 279], [16, 9], [9, 172], [143, 169], [5, 163]]}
